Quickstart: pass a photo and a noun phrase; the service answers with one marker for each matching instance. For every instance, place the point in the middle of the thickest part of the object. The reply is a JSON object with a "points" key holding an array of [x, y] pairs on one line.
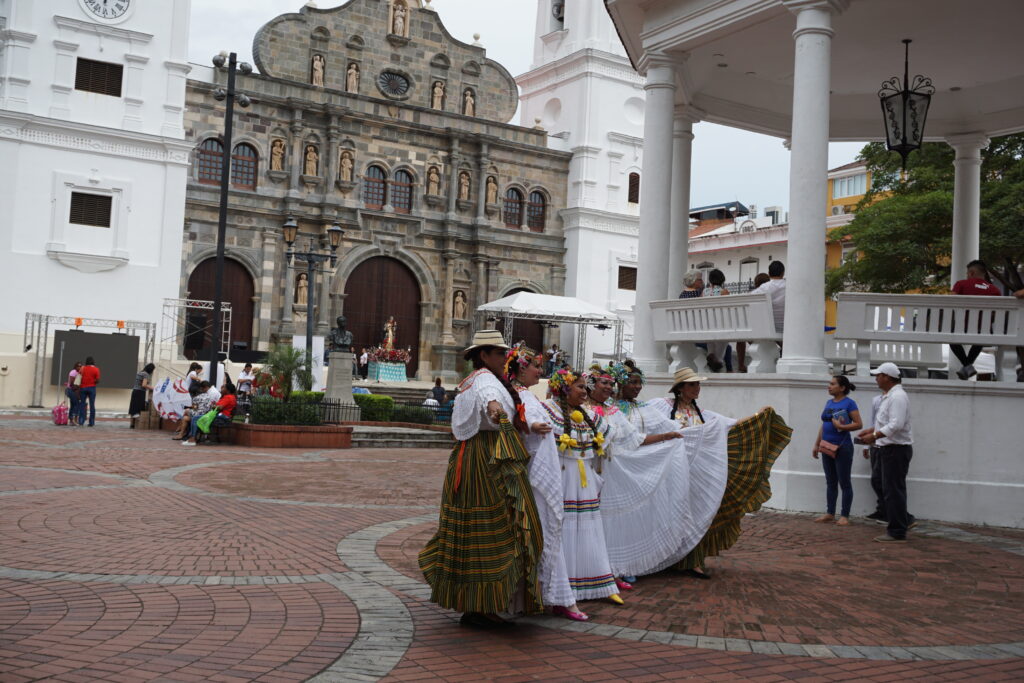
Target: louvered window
{"points": [[91, 209], [634, 188], [99, 77], [627, 278]]}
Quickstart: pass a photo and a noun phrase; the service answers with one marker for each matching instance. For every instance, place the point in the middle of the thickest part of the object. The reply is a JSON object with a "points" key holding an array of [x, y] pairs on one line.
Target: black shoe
{"points": [[481, 620], [966, 372], [876, 515], [696, 574], [714, 364]]}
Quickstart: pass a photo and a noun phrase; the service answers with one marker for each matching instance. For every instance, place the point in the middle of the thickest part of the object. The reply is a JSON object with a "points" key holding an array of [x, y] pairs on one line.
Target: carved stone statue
{"points": [[464, 186], [492, 190], [277, 155], [340, 339], [398, 23], [390, 330], [345, 167], [437, 98], [433, 181], [352, 78], [468, 103], [460, 307], [302, 290], [319, 63], [312, 161]]}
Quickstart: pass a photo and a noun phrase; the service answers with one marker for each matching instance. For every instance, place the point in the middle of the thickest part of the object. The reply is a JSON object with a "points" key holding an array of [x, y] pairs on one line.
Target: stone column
{"points": [[966, 200], [483, 161], [655, 203], [480, 295], [447, 334], [63, 79], [266, 303], [134, 72], [331, 167], [453, 177], [297, 155], [323, 297], [804, 331], [679, 239]]}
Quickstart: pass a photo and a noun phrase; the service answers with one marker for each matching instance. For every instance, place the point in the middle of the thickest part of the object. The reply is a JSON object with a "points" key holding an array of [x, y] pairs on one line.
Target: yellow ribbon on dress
{"points": [[583, 472], [599, 440], [565, 441]]}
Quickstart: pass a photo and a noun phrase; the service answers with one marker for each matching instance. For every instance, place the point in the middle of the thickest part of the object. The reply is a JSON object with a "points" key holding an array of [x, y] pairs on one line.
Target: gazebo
{"points": [[547, 308]]}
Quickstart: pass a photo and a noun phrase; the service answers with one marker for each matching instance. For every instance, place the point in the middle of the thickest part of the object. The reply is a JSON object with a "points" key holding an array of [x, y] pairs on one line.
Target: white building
{"points": [[92, 184], [583, 90]]}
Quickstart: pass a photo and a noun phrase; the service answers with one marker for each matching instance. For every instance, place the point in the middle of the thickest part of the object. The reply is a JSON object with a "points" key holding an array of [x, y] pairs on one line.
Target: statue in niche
{"points": [[312, 161], [340, 338], [433, 181], [437, 99], [352, 78], [460, 307], [398, 23], [492, 190], [277, 155], [345, 166], [464, 186], [319, 64], [468, 103], [302, 290]]}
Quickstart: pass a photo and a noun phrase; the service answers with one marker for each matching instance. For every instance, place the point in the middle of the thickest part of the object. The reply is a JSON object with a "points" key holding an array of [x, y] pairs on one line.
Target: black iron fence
{"points": [[333, 410], [299, 411]]}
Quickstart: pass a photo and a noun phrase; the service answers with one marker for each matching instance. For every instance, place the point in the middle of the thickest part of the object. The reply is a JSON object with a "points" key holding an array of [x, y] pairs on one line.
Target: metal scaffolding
{"points": [[174, 326]]}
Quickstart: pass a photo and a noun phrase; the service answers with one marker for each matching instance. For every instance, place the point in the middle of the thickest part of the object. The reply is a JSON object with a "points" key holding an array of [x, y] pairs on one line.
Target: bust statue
{"points": [[340, 338]]}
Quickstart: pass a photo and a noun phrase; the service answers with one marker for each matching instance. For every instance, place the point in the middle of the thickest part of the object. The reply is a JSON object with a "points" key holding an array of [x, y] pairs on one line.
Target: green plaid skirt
{"points": [[488, 540], [754, 445]]}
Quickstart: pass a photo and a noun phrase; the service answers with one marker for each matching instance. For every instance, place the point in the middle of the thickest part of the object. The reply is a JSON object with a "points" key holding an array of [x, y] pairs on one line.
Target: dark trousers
{"points": [[73, 401], [837, 476], [965, 358], [876, 480], [87, 394], [895, 463]]}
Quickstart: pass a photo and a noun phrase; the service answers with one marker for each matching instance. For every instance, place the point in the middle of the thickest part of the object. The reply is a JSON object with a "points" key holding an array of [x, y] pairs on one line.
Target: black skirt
{"points": [[137, 405]]}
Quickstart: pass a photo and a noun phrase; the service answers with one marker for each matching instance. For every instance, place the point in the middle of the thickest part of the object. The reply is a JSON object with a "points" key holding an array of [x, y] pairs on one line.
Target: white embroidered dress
{"points": [[469, 415]]}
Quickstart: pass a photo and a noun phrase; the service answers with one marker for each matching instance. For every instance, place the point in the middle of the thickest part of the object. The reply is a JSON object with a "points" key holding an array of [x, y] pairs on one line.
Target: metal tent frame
{"points": [[173, 326]]}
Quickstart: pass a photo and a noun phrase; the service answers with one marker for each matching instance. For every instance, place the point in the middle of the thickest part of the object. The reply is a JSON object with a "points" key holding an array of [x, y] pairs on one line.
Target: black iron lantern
{"points": [[905, 108]]}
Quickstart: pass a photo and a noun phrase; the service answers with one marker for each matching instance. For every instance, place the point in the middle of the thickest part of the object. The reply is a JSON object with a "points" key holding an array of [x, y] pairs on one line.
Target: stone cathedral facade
{"points": [[371, 116]]}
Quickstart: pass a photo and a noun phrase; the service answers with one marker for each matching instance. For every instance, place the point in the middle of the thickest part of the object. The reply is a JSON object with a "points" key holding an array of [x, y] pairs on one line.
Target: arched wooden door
{"points": [[238, 291], [529, 331], [380, 287]]}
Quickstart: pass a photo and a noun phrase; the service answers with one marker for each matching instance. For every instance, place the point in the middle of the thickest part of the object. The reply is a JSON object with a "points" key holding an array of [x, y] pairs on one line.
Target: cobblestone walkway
{"points": [[125, 557]]}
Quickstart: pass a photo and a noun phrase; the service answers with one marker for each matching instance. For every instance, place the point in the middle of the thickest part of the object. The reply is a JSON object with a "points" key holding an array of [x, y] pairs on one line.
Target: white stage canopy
{"points": [[554, 309]]}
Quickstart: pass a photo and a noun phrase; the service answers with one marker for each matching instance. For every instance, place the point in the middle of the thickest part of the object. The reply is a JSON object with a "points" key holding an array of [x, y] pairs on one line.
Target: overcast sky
{"points": [[728, 164]]}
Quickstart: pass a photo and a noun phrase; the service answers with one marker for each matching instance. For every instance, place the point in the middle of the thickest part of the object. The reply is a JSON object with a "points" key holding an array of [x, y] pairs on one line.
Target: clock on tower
{"points": [[107, 10]]}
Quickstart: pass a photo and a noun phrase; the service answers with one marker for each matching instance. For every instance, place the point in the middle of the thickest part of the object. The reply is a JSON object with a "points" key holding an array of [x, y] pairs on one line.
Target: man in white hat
{"points": [[892, 435]]}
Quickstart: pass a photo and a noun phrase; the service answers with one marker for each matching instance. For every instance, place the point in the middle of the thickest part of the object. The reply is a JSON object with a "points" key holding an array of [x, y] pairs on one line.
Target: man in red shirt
{"points": [[90, 378], [976, 284]]}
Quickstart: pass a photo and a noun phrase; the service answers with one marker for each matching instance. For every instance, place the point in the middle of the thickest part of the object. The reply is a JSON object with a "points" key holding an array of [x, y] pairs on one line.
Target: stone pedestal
{"points": [[339, 378], [450, 360]]}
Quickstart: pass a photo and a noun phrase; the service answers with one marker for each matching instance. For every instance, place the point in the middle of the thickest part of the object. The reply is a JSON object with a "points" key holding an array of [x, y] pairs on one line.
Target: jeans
{"points": [[876, 480], [837, 475], [895, 462], [73, 406], [87, 394]]}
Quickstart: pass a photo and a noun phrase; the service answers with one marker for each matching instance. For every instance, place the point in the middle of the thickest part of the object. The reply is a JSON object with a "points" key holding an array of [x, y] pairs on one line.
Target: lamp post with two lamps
{"points": [[290, 231], [230, 62]]}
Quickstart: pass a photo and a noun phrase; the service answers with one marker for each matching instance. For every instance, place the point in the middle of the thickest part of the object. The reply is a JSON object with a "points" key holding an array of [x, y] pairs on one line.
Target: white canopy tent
{"points": [[547, 308]]}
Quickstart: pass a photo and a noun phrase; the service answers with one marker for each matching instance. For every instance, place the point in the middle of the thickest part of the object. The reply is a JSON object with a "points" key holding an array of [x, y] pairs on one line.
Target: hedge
{"points": [[307, 396], [375, 408], [414, 414], [267, 410]]}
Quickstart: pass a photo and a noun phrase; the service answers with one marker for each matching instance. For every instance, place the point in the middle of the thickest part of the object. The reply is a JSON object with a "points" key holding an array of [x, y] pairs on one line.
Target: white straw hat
{"points": [[485, 338]]}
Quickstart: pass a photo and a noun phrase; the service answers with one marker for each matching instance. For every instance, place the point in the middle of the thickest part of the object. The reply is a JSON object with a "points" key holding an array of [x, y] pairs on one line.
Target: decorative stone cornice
{"points": [[100, 29], [967, 144]]}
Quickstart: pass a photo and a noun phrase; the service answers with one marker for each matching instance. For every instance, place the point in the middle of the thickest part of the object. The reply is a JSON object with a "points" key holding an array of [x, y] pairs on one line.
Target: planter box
{"points": [[292, 436]]}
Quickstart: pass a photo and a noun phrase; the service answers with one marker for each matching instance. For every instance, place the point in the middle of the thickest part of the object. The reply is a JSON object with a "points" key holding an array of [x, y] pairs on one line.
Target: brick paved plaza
{"points": [[125, 557]]}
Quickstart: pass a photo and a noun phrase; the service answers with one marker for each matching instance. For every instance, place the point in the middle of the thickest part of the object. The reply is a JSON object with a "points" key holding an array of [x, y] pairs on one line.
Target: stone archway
{"points": [[239, 290], [377, 288]]}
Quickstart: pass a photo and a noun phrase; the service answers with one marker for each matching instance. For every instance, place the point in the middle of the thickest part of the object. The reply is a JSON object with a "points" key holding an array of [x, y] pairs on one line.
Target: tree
{"points": [[284, 368], [903, 227]]}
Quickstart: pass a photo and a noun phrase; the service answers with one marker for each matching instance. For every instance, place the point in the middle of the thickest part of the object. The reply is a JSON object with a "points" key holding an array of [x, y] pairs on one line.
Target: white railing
{"points": [[932, 319], [840, 352]]}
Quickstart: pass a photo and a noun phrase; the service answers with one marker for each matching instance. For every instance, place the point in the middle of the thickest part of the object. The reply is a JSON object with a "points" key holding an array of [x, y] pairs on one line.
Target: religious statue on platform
{"points": [[437, 98], [302, 289], [433, 181], [398, 20], [492, 190], [319, 63], [352, 78], [340, 338], [460, 307], [468, 103], [346, 164], [390, 330], [312, 161], [277, 155], [464, 186]]}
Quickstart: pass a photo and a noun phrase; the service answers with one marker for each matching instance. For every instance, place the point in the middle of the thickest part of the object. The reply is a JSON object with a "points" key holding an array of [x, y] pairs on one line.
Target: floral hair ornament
{"points": [[593, 374], [517, 358], [561, 380], [622, 373]]}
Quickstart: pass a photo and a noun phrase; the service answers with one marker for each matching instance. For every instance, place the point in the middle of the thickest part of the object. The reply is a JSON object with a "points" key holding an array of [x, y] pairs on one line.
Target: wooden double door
{"points": [[238, 290], [378, 288]]}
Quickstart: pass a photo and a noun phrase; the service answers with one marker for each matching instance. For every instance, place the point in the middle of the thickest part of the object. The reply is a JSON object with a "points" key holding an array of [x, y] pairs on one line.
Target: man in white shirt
{"points": [[892, 435], [776, 286], [364, 363]]}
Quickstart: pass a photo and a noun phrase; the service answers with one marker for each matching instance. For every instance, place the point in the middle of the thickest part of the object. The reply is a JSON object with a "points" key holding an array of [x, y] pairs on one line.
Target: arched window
{"points": [[375, 187], [244, 165], [401, 192], [634, 188], [513, 213], [536, 210], [209, 161]]}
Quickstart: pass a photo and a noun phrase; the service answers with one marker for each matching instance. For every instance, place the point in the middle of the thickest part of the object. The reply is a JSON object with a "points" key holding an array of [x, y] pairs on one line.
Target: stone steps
{"points": [[401, 394], [399, 437]]}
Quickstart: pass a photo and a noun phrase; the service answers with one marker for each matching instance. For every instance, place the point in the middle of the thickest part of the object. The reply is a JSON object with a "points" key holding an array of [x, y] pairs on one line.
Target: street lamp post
{"points": [[220, 95], [312, 259]]}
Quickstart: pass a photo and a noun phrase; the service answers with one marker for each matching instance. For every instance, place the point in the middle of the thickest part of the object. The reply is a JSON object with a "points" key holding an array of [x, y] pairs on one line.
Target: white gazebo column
{"points": [[966, 200], [679, 224], [803, 339], [655, 209]]}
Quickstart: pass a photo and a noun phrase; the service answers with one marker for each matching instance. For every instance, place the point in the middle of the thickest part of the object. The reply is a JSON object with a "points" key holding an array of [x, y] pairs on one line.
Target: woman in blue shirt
{"points": [[838, 419]]}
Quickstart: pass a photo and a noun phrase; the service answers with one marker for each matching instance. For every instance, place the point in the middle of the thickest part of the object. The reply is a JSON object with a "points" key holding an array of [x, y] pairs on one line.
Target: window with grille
{"points": [[634, 188], [244, 166], [401, 192], [536, 212], [99, 77], [91, 209], [209, 161], [627, 278], [513, 210], [374, 187]]}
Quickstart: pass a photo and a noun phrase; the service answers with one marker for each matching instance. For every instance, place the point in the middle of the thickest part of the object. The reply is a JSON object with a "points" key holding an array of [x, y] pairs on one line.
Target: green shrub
{"points": [[414, 414], [267, 410], [374, 408], [307, 396]]}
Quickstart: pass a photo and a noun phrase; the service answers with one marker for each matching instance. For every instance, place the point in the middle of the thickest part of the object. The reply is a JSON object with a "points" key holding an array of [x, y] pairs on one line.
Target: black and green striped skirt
{"points": [[488, 540]]}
